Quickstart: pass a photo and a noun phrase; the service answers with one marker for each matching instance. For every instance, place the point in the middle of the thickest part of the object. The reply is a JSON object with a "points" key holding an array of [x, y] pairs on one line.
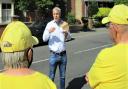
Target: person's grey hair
{"points": [[57, 9], [15, 60]]}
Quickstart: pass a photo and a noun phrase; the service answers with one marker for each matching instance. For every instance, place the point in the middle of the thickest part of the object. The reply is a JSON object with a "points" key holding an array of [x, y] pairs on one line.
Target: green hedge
{"points": [[103, 12], [70, 18], [116, 2]]}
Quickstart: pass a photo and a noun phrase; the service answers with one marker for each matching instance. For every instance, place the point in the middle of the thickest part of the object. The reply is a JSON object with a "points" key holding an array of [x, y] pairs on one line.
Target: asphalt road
{"points": [[81, 52]]}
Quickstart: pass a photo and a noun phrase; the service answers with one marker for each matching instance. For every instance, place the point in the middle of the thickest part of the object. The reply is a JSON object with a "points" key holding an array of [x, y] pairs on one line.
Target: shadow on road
{"points": [[41, 44], [70, 40], [77, 83]]}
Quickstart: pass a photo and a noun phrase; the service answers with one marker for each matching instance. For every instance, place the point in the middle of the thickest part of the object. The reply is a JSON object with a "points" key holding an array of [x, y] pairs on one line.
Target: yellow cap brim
{"points": [[105, 20], [35, 40]]}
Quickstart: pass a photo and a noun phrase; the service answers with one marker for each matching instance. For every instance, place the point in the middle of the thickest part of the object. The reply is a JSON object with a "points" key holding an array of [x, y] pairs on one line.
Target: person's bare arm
{"points": [[86, 78]]}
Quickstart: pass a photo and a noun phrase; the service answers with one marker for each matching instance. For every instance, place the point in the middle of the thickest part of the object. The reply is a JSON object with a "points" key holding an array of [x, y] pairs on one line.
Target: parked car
{"points": [[37, 28]]}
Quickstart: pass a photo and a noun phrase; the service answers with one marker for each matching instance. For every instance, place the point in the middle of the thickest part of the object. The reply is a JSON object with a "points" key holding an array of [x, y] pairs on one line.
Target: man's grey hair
{"points": [[57, 9], [15, 60]]}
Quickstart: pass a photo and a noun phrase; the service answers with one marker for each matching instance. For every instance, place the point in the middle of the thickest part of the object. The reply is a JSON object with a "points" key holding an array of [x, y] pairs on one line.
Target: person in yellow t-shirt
{"points": [[16, 45], [110, 69]]}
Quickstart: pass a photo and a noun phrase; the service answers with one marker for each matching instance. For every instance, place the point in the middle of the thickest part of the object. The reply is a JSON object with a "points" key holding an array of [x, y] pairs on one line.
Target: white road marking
{"points": [[89, 35], [35, 62], [77, 52], [92, 49], [39, 61]]}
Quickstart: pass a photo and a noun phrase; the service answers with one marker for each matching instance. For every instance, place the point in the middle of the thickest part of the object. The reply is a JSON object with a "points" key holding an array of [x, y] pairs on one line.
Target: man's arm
{"points": [[47, 32], [65, 27], [45, 36]]}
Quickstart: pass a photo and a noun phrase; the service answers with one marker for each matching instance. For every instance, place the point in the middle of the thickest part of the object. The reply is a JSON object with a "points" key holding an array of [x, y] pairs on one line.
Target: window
{"points": [[6, 12], [6, 6]]}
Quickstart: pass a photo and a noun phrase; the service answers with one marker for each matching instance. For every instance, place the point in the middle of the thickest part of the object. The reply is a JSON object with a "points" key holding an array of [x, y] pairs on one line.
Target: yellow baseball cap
{"points": [[17, 37], [118, 15]]}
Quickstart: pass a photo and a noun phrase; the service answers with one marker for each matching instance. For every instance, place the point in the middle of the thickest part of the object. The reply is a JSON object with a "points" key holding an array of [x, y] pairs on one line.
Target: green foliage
{"points": [[103, 12], [121, 2], [92, 8], [70, 18], [21, 5], [42, 3], [65, 1], [24, 5]]}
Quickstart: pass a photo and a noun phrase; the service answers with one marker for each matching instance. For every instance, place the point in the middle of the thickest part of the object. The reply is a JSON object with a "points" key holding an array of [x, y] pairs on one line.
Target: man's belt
{"points": [[61, 53]]}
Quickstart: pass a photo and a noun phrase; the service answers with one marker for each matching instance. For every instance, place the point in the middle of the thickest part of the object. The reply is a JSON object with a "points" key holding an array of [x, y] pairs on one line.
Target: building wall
{"points": [[78, 9], [6, 1], [12, 9], [72, 5], [3, 11], [85, 10], [0, 12]]}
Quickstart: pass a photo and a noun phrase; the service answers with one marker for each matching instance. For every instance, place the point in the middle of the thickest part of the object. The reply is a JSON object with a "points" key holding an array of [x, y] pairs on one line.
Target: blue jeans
{"points": [[61, 61]]}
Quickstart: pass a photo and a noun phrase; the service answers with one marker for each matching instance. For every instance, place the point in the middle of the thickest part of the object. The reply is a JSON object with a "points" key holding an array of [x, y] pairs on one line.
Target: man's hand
{"points": [[52, 29], [65, 33], [86, 77]]}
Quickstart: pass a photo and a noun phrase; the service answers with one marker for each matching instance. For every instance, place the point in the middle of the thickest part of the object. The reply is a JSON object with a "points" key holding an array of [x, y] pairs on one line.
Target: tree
{"points": [[21, 5], [92, 10], [43, 8], [32, 5], [43, 3], [121, 2]]}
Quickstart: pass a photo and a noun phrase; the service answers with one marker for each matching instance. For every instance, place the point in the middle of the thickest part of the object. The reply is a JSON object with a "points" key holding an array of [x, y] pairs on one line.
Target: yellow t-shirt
{"points": [[110, 69], [33, 81]]}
